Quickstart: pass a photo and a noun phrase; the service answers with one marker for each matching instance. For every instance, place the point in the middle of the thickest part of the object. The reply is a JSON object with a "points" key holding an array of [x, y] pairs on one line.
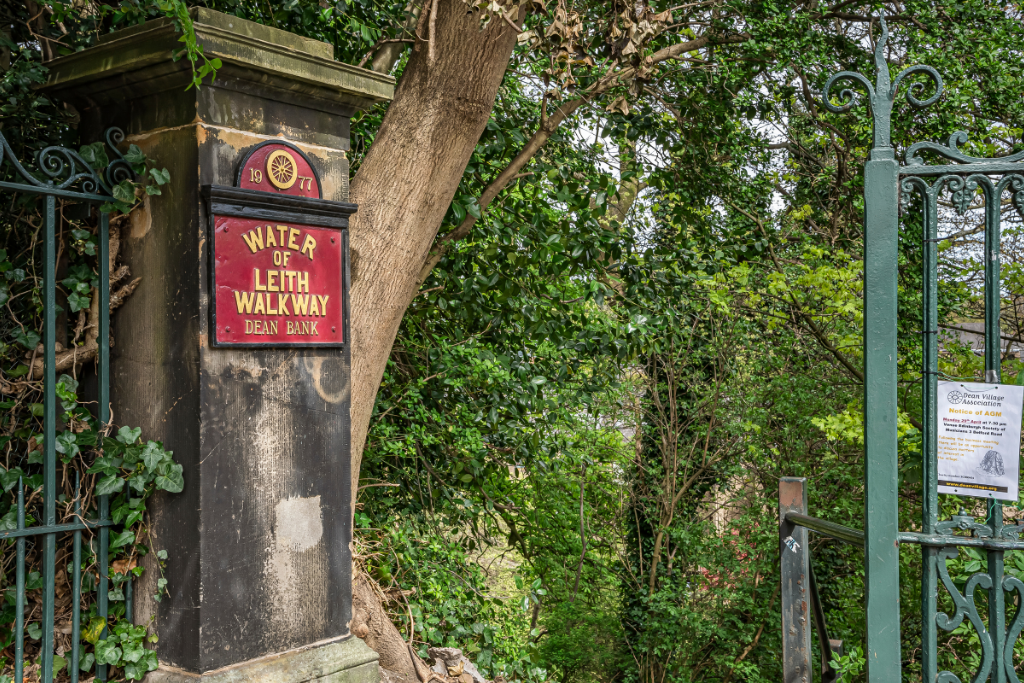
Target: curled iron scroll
{"points": [[118, 170], [965, 607], [914, 88], [63, 167], [846, 95], [952, 152]]}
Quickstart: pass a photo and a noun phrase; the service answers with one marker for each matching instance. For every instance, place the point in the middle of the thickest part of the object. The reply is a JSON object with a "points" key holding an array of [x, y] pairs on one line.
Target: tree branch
{"points": [[549, 124]]}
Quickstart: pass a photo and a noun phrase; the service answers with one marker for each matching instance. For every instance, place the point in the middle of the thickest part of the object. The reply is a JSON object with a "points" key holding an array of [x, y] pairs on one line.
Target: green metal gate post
{"points": [[881, 504], [881, 249], [881, 550], [884, 181]]}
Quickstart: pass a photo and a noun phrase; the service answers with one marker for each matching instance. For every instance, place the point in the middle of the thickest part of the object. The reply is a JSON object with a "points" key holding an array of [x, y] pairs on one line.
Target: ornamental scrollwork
{"points": [[964, 606], [951, 150], [883, 93], [964, 522], [63, 168]]}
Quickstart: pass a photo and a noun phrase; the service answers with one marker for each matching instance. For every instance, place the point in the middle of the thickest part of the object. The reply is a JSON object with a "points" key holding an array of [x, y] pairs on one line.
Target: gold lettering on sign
{"points": [[243, 301], [254, 238], [291, 288], [309, 244]]}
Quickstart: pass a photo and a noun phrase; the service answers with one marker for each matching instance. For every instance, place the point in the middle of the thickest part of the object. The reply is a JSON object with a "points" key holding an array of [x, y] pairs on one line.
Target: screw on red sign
{"points": [[280, 169], [277, 284]]}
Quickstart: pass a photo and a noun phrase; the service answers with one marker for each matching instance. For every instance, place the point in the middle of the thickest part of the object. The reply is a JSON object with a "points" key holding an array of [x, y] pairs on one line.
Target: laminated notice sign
{"points": [[979, 439]]}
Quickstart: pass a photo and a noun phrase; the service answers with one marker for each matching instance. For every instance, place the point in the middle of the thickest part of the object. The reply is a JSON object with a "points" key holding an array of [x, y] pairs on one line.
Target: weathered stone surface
{"points": [[256, 59], [346, 661], [258, 543]]}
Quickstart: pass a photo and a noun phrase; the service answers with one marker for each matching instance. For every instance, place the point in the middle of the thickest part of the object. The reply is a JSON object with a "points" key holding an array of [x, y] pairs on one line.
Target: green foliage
{"points": [[738, 269], [575, 450], [125, 648]]}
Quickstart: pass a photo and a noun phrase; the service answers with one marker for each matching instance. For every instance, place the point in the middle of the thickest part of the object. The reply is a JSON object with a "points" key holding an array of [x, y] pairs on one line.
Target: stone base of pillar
{"points": [[345, 661]]}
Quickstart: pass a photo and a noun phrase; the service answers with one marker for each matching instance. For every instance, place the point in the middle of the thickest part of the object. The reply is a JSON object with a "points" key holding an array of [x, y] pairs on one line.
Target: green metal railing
{"points": [[887, 186], [68, 177]]}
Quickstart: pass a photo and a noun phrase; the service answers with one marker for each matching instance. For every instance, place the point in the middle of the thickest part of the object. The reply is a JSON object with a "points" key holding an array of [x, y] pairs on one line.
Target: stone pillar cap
{"points": [[138, 61]]}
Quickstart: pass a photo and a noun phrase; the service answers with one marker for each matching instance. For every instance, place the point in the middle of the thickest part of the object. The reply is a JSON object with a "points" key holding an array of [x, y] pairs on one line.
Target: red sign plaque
{"points": [[277, 284], [281, 169]]}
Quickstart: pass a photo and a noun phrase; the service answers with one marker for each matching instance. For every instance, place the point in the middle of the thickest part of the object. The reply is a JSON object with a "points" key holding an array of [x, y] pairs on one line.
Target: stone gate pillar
{"points": [[254, 405]]}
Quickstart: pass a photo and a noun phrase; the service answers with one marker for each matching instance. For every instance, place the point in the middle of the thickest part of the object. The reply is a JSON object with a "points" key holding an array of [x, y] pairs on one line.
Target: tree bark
{"points": [[404, 188], [407, 181]]}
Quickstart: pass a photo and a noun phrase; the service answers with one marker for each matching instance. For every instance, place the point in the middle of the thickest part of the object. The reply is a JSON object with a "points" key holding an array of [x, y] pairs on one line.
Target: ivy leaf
{"points": [[9, 522], [124, 191], [66, 444], [78, 302], [34, 630], [107, 652], [173, 481], [124, 539], [138, 482], [133, 651], [28, 339], [152, 455], [95, 155], [91, 632], [109, 484], [127, 435], [134, 155], [138, 669], [162, 177], [9, 478]]}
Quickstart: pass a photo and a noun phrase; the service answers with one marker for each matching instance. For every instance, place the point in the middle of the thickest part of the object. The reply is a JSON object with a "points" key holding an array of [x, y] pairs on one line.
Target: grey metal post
{"points": [[794, 567]]}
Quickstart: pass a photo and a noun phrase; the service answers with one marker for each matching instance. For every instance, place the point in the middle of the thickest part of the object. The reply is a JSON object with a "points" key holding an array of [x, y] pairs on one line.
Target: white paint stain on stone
{"points": [[299, 523]]}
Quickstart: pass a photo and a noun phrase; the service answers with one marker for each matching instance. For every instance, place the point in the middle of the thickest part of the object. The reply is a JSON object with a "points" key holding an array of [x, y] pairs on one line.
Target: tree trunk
{"points": [[407, 181], [404, 188]]}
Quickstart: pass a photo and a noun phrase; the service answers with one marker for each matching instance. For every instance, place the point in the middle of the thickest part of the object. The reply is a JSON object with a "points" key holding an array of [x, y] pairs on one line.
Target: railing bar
{"points": [[19, 627], [54, 192], [55, 529], [961, 169], [76, 589], [856, 537], [104, 415], [103, 339], [102, 556], [828, 674], [830, 529], [938, 540], [50, 432], [128, 599]]}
